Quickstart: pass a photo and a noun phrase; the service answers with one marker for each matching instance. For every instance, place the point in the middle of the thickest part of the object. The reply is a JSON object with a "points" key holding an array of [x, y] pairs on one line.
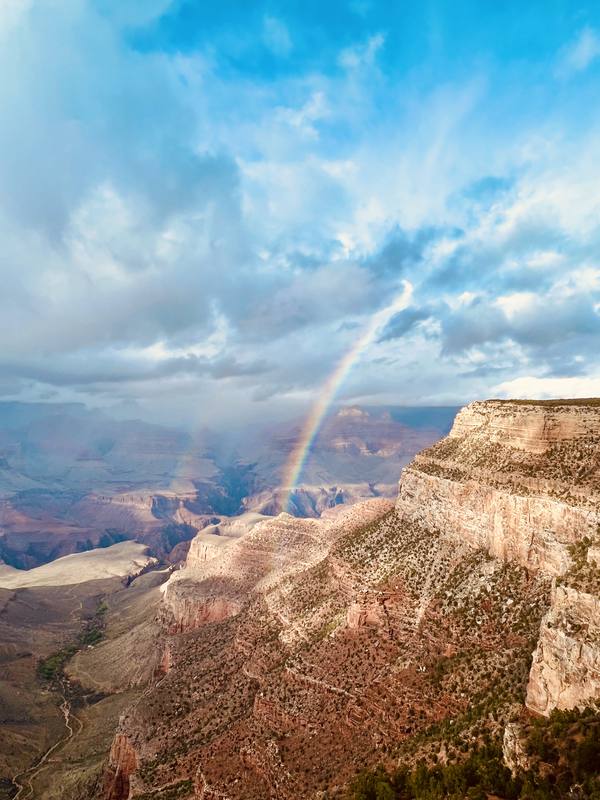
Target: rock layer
{"points": [[520, 480], [223, 571], [565, 672], [122, 763]]}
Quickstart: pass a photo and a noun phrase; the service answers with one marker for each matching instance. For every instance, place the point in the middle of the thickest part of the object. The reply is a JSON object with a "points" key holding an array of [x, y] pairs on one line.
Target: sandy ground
{"points": [[125, 558]]}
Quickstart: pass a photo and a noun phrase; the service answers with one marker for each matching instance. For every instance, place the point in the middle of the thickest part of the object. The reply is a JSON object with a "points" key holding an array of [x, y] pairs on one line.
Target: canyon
{"points": [[287, 654], [72, 479]]}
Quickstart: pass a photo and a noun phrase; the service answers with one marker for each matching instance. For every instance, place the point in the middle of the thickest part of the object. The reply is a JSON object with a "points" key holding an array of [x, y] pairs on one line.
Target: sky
{"points": [[205, 205]]}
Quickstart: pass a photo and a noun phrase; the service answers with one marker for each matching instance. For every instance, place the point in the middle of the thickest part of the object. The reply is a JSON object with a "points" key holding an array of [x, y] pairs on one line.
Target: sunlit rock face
{"points": [[513, 749], [228, 563], [529, 426], [520, 480], [565, 672], [123, 761]]}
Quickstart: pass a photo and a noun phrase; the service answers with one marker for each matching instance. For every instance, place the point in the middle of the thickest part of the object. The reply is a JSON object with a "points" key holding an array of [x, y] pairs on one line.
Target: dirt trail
{"points": [[23, 781]]}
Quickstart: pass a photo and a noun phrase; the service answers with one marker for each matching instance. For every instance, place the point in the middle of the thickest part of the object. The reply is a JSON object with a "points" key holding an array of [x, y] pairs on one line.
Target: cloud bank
{"points": [[202, 206]]}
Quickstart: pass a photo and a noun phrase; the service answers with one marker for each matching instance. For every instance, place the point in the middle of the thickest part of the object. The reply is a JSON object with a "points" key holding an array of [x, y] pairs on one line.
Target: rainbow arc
{"points": [[297, 458]]}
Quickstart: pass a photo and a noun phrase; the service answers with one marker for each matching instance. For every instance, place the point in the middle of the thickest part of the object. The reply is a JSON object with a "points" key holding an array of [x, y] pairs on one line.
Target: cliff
{"points": [[229, 562], [122, 763], [520, 480], [565, 672]]}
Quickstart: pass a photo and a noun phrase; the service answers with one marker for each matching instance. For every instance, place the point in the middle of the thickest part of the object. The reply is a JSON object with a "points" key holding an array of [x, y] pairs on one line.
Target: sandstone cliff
{"points": [[227, 563], [122, 763], [565, 672], [520, 480]]}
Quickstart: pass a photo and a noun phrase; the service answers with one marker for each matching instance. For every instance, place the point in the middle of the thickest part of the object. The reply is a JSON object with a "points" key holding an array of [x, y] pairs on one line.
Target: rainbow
{"points": [[297, 458]]}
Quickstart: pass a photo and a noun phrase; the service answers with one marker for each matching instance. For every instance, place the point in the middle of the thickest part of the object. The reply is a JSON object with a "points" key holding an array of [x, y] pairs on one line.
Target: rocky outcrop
{"points": [[513, 749], [122, 763], [223, 572], [520, 480], [593, 556], [373, 608], [211, 540], [565, 672], [189, 607], [529, 426], [364, 613], [534, 531]]}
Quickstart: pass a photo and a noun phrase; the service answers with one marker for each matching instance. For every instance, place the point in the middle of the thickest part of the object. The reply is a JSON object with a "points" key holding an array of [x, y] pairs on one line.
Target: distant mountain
{"points": [[72, 478], [358, 453], [67, 446]]}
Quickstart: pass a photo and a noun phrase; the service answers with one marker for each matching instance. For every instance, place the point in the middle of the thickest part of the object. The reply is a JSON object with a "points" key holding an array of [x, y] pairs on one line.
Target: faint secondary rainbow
{"points": [[297, 458]]}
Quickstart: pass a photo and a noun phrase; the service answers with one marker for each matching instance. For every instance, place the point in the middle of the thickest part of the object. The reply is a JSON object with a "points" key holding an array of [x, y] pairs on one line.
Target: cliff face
{"points": [[122, 763], [520, 480], [532, 428], [226, 567], [565, 672]]}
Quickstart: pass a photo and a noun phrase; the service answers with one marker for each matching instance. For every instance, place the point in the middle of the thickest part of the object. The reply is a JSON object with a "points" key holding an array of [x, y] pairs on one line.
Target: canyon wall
{"points": [[228, 563], [122, 763], [522, 481], [565, 672]]}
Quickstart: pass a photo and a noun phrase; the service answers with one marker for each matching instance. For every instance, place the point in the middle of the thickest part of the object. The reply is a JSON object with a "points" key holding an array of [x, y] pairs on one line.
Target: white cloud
{"points": [[276, 36], [578, 55], [517, 304], [362, 55], [529, 387]]}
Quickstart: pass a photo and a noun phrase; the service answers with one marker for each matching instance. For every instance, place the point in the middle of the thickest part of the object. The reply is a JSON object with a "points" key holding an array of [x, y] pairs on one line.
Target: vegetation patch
{"points": [[583, 574], [51, 668], [564, 759], [176, 791]]}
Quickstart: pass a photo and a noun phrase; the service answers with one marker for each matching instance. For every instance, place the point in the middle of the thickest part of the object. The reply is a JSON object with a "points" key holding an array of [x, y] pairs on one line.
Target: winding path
{"points": [[23, 780]]}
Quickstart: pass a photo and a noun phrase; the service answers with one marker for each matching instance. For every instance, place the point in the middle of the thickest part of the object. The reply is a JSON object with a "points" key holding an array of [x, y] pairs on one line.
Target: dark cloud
{"points": [[539, 323], [81, 372], [403, 322], [401, 252], [479, 322]]}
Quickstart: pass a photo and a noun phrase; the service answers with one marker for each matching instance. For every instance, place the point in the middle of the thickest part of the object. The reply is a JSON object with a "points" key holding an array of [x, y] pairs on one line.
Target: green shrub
{"points": [[564, 751]]}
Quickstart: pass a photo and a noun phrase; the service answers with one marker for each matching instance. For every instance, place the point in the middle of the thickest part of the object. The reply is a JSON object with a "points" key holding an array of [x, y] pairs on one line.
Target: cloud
{"points": [[277, 36], [530, 387], [78, 371], [364, 54], [403, 322], [401, 251], [200, 204], [579, 54]]}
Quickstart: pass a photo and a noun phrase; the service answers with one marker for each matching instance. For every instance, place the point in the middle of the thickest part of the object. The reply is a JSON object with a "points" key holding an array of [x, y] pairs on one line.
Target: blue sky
{"points": [[202, 205]]}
